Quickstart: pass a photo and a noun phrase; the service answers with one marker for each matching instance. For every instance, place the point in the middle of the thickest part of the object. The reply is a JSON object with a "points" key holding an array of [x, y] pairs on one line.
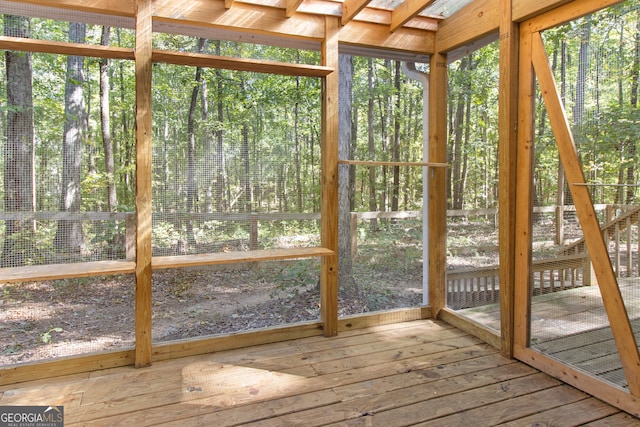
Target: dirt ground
{"points": [[50, 319]]}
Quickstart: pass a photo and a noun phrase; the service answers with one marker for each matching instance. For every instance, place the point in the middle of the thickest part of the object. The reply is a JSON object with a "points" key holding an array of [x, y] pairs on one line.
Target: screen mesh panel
{"points": [[59, 201], [380, 192], [592, 61], [236, 168], [472, 222]]}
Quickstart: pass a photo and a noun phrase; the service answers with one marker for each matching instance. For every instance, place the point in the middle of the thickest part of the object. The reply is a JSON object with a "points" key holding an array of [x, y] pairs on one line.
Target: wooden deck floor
{"points": [[572, 326], [423, 372]]}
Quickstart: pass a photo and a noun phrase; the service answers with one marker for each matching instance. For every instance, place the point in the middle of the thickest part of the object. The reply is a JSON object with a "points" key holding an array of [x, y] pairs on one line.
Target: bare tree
{"points": [[18, 152], [69, 236]]}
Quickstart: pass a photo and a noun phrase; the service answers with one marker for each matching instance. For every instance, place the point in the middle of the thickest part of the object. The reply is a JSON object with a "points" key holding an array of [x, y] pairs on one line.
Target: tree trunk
{"points": [[633, 101], [69, 236], [18, 151], [219, 185], [371, 146], [297, 154], [191, 150], [458, 129], [345, 190], [395, 149], [105, 118]]}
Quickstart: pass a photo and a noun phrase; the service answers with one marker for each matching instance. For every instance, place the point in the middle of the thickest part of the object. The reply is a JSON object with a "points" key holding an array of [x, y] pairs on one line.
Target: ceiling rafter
{"points": [[350, 8], [292, 7], [406, 11]]}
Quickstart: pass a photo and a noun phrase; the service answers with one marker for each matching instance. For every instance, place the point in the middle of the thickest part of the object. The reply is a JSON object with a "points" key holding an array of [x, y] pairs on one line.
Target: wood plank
{"points": [[144, 165], [372, 35], [524, 188], [619, 419], [405, 11], [449, 396], [350, 8], [384, 356], [607, 281], [163, 262], [240, 64], [380, 163], [568, 11], [65, 366], [606, 392], [63, 271], [329, 187], [244, 415], [470, 326], [513, 408], [589, 410], [292, 7], [229, 388], [109, 7], [242, 17], [475, 21], [65, 48], [417, 376], [347, 323], [507, 170], [437, 149]]}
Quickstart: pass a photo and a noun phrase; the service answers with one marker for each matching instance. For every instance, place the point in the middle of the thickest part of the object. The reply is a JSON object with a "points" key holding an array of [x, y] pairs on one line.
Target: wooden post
{"points": [[437, 183], [253, 231], [354, 235], [523, 198], [507, 134], [143, 182], [329, 184], [130, 237]]}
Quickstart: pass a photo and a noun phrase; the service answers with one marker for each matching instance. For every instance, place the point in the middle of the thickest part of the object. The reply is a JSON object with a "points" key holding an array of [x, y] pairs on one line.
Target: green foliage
{"points": [[294, 277], [46, 336]]}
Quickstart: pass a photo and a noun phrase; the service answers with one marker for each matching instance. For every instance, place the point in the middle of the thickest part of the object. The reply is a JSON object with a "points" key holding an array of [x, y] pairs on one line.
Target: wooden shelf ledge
{"points": [[65, 271], [100, 268], [381, 163], [177, 261]]}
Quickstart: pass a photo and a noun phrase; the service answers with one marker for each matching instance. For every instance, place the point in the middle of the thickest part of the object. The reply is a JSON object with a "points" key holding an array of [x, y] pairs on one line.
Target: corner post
{"points": [[437, 183], [507, 142]]}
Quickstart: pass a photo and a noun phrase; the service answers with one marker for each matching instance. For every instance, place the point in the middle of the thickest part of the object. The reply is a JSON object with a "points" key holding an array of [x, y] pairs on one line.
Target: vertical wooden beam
{"points": [[611, 297], [329, 184], [507, 137], [523, 198], [143, 182], [437, 182]]}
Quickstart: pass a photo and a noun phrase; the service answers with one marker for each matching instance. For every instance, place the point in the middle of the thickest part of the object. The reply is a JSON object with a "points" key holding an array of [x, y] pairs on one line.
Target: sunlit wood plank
{"points": [[407, 10], [144, 208], [240, 64], [292, 7], [350, 8]]}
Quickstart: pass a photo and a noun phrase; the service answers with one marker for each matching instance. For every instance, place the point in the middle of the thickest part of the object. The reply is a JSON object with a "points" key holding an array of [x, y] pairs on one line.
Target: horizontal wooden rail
{"points": [[162, 262], [65, 271], [65, 48], [100, 268], [170, 57], [240, 64], [382, 163]]}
